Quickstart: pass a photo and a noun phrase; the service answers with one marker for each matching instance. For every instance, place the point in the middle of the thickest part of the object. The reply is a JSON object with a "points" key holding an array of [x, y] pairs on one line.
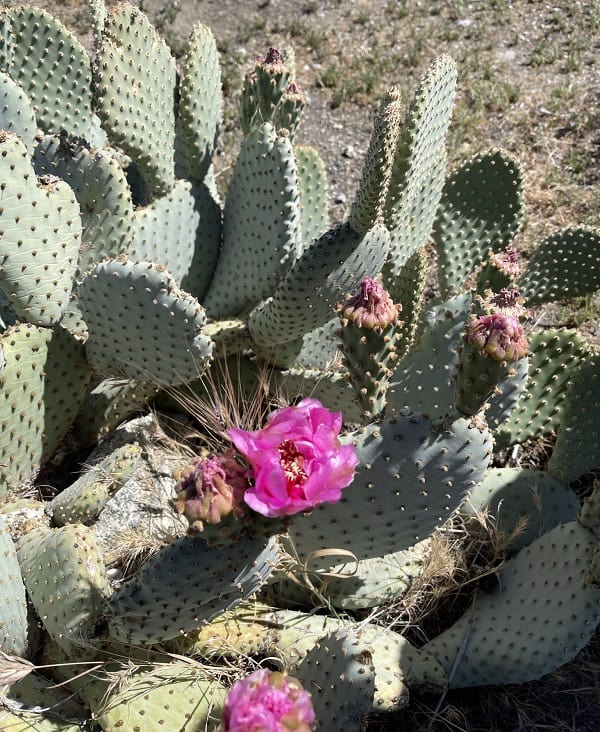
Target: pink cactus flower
{"points": [[499, 336], [268, 701], [372, 308], [210, 488], [297, 460]]}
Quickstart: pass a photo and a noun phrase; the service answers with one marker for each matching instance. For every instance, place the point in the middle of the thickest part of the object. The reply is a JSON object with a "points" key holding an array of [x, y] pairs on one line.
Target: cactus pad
{"points": [[141, 325], [13, 605], [39, 260]]}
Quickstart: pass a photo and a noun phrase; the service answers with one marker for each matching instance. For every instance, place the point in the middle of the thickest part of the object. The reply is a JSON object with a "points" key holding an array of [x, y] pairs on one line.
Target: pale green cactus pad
{"points": [[13, 604], [39, 260], [42, 385], [328, 269], [101, 189], [464, 233], [200, 101], [187, 584], [66, 581], [566, 264], [507, 394], [339, 674], [52, 67], [521, 502], [577, 448], [419, 167], [136, 101], [312, 183], [554, 356], [424, 380], [262, 233], [541, 613], [182, 231], [367, 207], [413, 475], [141, 325], [16, 112]]}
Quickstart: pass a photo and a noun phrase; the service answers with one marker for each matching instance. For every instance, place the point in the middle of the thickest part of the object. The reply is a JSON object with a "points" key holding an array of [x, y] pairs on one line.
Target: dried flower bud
{"points": [[273, 57], [210, 489], [372, 308], [499, 336], [507, 261]]}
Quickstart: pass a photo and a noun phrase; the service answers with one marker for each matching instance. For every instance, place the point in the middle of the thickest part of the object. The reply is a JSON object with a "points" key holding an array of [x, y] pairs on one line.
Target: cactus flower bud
{"points": [[372, 308], [268, 701], [210, 489], [273, 57], [507, 261], [499, 336]]}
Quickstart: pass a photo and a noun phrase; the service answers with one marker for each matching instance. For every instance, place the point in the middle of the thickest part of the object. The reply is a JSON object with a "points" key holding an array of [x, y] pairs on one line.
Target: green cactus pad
{"points": [[39, 260], [413, 474], [52, 68], [529, 501], [554, 356], [542, 612], [339, 674], [480, 212], [566, 264], [141, 325], [42, 385], [200, 101], [174, 696], [312, 184], [187, 584], [408, 291], [182, 231], [398, 665], [136, 99], [101, 189], [424, 380], [577, 448], [507, 395], [16, 113], [13, 604], [108, 403], [367, 207], [262, 232], [419, 166], [83, 500], [328, 269], [589, 516], [66, 581]]}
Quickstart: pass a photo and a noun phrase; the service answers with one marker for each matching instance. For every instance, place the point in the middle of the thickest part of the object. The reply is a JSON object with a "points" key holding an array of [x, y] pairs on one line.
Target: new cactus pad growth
{"points": [[318, 425]]}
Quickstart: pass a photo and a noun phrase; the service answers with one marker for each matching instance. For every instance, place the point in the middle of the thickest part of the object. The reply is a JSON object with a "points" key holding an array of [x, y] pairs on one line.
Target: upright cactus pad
{"points": [[13, 604], [200, 101], [261, 224], [66, 581], [39, 260], [16, 112], [480, 212], [312, 184], [136, 102], [141, 325], [52, 67]]}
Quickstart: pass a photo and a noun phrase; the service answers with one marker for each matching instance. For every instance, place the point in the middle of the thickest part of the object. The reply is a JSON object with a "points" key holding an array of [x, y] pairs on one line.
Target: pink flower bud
{"points": [[268, 701], [297, 460], [210, 488], [499, 336], [372, 308]]}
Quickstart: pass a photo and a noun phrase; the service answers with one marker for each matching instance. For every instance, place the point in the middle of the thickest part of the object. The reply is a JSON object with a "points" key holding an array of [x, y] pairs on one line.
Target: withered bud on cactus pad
{"points": [[211, 488], [273, 57], [293, 90], [499, 336], [372, 308], [507, 261]]}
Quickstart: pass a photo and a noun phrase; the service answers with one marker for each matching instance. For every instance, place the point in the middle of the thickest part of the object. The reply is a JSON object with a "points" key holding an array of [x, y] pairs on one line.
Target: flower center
{"points": [[292, 462]]}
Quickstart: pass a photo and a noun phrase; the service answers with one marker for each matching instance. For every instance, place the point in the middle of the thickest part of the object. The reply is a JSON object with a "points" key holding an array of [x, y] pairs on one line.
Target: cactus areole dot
{"points": [[268, 701], [297, 460]]}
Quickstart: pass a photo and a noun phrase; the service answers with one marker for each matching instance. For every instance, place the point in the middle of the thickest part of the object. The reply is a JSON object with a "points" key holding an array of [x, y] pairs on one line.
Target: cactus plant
{"points": [[139, 281]]}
